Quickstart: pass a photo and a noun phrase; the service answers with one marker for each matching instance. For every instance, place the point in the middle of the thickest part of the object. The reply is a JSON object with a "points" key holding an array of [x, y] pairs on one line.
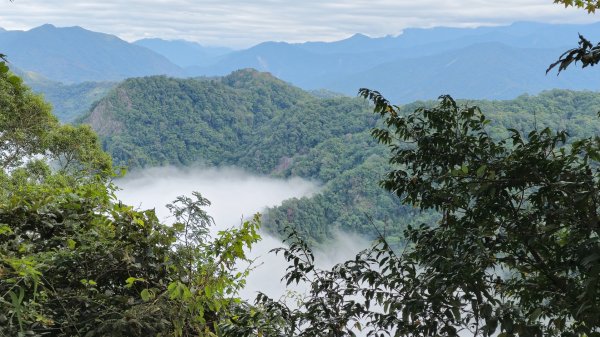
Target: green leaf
{"points": [[146, 295], [5, 229], [535, 314], [464, 168], [481, 171]]}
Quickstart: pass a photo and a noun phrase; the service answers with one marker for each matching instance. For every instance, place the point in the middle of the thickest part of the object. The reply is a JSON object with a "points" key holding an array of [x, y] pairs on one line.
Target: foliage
{"points": [[586, 53], [25, 120], [29, 130], [81, 264], [254, 121], [76, 262], [515, 253], [589, 5]]}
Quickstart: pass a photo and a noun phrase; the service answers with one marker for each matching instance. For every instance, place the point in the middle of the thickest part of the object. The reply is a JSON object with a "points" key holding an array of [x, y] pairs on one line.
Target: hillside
{"points": [[254, 121], [257, 122], [69, 101], [73, 54]]}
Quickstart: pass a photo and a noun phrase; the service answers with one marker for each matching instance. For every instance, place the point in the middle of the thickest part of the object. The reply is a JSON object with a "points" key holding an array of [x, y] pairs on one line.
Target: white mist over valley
{"points": [[235, 195]]}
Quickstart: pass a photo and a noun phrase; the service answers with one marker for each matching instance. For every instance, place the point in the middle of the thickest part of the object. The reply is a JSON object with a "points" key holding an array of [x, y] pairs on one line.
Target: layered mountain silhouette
{"points": [[185, 53], [74, 54], [486, 62]]}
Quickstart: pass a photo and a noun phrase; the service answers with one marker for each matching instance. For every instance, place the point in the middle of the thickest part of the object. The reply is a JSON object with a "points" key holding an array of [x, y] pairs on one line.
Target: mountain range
{"points": [[499, 62], [74, 54]]}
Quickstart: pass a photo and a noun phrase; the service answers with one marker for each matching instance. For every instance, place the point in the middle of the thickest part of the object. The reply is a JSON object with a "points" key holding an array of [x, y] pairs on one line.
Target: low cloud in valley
{"points": [[235, 195]]}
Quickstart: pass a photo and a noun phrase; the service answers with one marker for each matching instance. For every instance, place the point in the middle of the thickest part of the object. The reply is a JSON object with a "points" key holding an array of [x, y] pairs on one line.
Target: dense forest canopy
{"points": [[74, 261], [259, 123]]}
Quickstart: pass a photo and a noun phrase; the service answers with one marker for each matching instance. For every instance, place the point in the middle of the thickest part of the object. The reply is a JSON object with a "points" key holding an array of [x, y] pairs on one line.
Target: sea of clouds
{"points": [[236, 195]]}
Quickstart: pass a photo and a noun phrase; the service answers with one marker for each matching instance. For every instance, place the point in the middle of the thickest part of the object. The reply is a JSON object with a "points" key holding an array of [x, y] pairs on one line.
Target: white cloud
{"points": [[235, 195], [241, 23]]}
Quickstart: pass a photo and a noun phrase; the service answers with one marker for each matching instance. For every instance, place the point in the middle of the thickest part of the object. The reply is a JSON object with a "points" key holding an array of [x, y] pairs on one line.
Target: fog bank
{"points": [[235, 195]]}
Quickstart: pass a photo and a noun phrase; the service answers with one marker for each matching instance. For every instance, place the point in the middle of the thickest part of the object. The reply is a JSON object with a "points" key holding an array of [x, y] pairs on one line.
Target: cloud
{"points": [[235, 195], [241, 23]]}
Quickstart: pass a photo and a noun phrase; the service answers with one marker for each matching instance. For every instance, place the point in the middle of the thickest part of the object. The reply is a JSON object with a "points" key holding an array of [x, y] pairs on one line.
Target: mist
{"points": [[236, 195]]}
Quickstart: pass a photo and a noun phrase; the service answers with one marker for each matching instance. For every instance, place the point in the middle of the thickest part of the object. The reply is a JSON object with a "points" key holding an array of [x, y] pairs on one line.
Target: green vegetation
{"points": [[516, 251], [256, 122], [75, 262], [69, 101], [588, 5]]}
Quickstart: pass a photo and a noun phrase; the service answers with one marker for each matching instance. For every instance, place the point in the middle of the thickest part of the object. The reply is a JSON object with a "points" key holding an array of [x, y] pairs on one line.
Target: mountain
{"points": [[476, 63], [69, 101], [184, 53], [424, 63], [485, 70], [257, 122], [73, 54]]}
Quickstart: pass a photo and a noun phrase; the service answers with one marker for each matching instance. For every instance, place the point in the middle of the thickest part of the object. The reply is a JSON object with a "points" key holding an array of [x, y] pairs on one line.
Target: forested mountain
{"points": [[255, 121], [73, 54]]}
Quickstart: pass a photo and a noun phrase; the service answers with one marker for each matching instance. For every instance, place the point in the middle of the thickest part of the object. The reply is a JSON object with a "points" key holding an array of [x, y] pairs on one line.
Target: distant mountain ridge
{"points": [[74, 54], [498, 62], [69, 101], [184, 53], [417, 64]]}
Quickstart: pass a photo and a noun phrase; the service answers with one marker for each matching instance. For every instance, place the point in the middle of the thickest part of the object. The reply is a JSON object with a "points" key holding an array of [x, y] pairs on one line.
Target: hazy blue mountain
{"points": [[485, 70], [486, 62], [433, 40], [69, 101], [184, 53], [292, 63], [422, 63], [73, 54]]}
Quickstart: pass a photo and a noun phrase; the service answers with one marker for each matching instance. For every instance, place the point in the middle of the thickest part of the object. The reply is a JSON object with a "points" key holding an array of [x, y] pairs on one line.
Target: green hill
{"points": [[257, 122]]}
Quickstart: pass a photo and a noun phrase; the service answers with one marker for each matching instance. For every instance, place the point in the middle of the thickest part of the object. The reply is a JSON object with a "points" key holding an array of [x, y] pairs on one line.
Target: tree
{"points": [[28, 130], [515, 251], [587, 53], [74, 261], [25, 120]]}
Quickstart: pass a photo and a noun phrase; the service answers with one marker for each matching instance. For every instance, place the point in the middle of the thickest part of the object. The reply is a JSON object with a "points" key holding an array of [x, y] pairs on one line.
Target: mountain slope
{"points": [[486, 70], [257, 122], [184, 53], [485, 62], [74, 54], [254, 121], [218, 121]]}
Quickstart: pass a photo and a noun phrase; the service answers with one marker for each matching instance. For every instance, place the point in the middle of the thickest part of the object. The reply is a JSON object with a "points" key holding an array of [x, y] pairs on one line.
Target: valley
{"points": [[438, 182]]}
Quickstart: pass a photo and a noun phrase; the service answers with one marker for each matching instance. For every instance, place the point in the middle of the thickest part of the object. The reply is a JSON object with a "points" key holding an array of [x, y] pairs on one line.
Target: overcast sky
{"points": [[241, 23]]}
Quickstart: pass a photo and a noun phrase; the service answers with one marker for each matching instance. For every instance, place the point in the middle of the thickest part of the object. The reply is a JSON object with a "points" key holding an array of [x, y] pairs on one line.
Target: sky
{"points": [[243, 23]]}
